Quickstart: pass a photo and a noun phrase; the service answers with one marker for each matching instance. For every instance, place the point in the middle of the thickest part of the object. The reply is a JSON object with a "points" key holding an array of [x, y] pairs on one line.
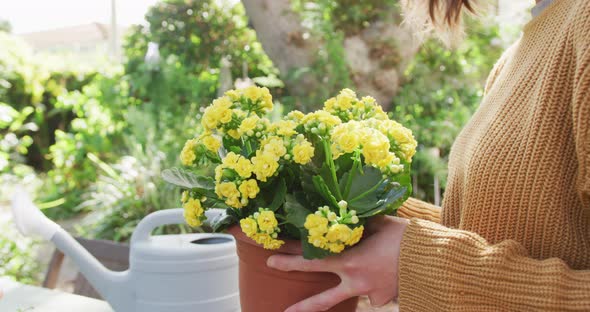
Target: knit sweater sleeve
{"points": [[444, 269], [415, 208]]}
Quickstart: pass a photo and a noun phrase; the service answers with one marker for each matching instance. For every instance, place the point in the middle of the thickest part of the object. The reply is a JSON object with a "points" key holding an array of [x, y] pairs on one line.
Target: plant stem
{"points": [[332, 167], [369, 191], [349, 181]]}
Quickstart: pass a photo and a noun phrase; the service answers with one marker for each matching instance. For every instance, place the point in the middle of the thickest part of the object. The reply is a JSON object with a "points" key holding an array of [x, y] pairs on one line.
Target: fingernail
{"points": [[270, 262]]}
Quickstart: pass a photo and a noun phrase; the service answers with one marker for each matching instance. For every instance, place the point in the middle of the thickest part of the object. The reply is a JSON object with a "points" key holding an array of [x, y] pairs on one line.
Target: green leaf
{"points": [[187, 179], [295, 212], [218, 219], [310, 251], [381, 204], [364, 181], [324, 190], [279, 197]]}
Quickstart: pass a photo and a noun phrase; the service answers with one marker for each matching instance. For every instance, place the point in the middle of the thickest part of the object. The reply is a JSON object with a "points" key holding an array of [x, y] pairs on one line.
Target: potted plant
{"points": [[313, 178]]}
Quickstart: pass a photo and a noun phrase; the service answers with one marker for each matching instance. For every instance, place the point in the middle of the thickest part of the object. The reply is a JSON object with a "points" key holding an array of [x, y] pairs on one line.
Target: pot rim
{"points": [[238, 234]]}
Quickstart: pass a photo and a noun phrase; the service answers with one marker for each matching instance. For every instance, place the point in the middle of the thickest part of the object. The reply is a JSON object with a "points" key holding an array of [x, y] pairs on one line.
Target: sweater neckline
{"points": [[543, 15]]}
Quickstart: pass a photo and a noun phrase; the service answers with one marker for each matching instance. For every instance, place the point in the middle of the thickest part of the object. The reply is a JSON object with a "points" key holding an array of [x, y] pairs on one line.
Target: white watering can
{"points": [[172, 273]]}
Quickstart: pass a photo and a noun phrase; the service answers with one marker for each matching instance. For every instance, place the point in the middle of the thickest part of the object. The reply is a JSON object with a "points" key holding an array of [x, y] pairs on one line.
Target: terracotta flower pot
{"points": [[263, 289]]}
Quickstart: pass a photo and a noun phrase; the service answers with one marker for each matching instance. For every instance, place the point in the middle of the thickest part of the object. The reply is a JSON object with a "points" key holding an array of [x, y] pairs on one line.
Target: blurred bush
{"points": [[28, 96], [18, 256], [194, 38]]}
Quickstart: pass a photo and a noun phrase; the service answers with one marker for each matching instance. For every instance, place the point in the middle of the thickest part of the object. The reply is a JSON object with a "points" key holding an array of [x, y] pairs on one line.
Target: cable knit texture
{"points": [[515, 228]]}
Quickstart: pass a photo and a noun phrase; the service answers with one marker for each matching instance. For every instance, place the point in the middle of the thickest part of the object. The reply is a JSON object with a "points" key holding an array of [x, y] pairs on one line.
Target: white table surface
{"points": [[25, 298]]}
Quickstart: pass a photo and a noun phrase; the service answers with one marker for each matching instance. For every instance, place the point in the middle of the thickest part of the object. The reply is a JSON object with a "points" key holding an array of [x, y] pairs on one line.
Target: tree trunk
{"points": [[376, 56], [286, 42]]}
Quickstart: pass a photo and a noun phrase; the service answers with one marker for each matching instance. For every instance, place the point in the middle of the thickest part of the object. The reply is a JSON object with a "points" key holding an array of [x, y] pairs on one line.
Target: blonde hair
{"points": [[443, 17]]}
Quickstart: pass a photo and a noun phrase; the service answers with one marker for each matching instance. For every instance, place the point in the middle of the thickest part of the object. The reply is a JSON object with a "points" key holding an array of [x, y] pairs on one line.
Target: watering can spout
{"points": [[30, 221]]}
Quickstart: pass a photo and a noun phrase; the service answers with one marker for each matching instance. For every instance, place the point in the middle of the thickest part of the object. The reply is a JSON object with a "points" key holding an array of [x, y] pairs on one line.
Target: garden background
{"points": [[89, 142]]}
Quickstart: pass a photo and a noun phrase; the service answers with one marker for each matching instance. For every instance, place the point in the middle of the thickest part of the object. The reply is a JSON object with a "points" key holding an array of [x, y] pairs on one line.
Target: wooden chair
{"points": [[112, 255]]}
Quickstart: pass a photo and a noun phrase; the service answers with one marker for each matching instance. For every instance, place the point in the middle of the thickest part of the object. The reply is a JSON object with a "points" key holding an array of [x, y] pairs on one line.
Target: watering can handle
{"points": [[153, 220]]}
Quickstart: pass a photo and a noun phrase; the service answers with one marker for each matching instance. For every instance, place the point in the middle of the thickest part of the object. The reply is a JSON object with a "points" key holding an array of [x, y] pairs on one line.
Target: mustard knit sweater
{"points": [[514, 232]]}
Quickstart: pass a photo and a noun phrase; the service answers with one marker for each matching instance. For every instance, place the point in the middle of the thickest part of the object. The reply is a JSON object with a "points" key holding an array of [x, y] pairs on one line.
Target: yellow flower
{"points": [[320, 117], [375, 147], [249, 189], [216, 112], [253, 93], [355, 236], [218, 173], [285, 127], [295, 115], [225, 116], [316, 225], [273, 244], [193, 212], [267, 241], [234, 134], [265, 165], [248, 124], [345, 99], [184, 197], [209, 119], [231, 160], [318, 241], [234, 202], [187, 155], [227, 189], [243, 167], [338, 233], [267, 221], [303, 152], [211, 143], [347, 137], [249, 226], [335, 247], [329, 104], [233, 95], [274, 145]]}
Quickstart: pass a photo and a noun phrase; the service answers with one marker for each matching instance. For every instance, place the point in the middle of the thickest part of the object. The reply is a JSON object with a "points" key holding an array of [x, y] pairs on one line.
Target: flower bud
{"points": [[332, 216], [342, 204], [354, 219]]}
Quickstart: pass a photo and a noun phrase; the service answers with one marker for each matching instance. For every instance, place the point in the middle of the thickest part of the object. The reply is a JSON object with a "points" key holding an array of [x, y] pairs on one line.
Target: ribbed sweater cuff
{"points": [[443, 269]]}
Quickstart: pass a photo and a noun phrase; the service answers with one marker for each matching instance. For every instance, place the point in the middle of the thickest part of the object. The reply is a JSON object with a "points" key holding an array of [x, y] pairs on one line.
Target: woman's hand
{"points": [[370, 268]]}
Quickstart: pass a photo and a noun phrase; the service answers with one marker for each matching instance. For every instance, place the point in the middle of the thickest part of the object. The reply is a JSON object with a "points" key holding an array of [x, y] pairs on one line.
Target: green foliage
{"points": [[126, 191], [193, 37], [95, 128], [442, 89], [31, 89], [5, 26], [18, 256]]}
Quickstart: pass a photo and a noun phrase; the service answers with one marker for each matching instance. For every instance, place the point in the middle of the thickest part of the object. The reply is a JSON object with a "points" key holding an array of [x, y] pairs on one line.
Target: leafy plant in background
{"points": [[18, 256], [31, 88], [130, 188], [198, 35], [96, 128]]}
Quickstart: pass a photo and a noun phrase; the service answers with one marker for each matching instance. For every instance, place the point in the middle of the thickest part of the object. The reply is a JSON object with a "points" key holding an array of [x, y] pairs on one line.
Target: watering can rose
{"points": [[315, 177]]}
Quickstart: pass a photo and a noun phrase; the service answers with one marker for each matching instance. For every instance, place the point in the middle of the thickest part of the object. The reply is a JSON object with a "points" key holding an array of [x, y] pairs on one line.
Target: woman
{"points": [[514, 231]]}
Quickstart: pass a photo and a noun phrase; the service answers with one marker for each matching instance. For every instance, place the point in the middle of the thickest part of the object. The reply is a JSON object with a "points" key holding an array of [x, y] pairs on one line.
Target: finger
{"points": [[298, 263], [322, 301], [380, 298]]}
